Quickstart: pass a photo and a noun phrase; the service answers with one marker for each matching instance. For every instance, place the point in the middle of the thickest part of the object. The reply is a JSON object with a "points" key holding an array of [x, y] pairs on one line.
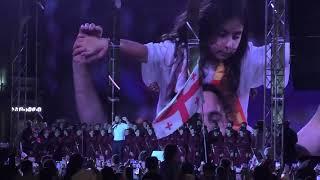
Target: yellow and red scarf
{"points": [[240, 116]]}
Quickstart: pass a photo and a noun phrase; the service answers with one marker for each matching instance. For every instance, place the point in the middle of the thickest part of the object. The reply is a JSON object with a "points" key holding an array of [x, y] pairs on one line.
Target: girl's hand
{"points": [[89, 48], [90, 30]]}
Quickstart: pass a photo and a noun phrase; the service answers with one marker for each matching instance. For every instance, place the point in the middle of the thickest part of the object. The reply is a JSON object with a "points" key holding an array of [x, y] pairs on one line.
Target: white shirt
{"points": [[161, 68], [119, 131]]}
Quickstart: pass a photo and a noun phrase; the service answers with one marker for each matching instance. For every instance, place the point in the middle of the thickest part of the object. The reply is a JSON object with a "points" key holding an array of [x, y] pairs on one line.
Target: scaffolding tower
{"points": [[275, 24], [24, 71]]}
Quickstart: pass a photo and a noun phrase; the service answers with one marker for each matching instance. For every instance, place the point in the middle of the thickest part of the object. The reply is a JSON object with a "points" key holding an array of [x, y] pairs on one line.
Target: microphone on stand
{"points": [[192, 30]]}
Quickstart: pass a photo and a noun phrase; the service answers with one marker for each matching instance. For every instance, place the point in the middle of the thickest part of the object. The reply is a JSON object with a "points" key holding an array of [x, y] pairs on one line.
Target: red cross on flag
{"points": [[181, 108]]}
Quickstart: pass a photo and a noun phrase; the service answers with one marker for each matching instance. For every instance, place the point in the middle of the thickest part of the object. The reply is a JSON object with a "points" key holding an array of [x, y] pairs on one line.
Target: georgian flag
{"points": [[181, 108]]}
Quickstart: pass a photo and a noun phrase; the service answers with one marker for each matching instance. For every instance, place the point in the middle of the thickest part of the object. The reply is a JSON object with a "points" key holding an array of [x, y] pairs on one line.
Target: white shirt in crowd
{"points": [[119, 131], [161, 68]]}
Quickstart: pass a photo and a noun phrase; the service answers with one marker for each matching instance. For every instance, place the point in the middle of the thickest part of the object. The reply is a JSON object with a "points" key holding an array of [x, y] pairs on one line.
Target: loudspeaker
{"points": [[305, 44]]}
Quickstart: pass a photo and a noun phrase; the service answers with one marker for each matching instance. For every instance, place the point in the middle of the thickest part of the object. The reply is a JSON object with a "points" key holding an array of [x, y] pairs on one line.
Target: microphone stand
{"points": [[193, 51], [114, 56], [193, 41]]}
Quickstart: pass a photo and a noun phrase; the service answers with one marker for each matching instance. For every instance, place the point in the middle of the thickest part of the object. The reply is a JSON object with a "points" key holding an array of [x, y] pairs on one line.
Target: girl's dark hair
{"points": [[180, 29], [213, 14], [217, 13], [178, 34]]}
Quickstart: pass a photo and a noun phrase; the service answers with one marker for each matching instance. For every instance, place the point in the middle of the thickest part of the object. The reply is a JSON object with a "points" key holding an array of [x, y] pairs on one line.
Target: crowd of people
{"points": [[96, 140], [38, 162], [67, 151]]}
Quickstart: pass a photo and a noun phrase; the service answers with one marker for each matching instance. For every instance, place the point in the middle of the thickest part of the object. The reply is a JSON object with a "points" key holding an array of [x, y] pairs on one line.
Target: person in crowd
{"points": [[194, 147], [119, 128], [289, 145], [75, 165], [257, 138], [186, 171], [208, 171], [230, 140], [244, 145], [228, 165], [115, 162], [26, 169], [108, 173], [169, 168], [152, 166]]}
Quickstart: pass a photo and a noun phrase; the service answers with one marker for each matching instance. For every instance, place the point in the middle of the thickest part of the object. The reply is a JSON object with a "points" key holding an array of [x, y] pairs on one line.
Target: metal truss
{"points": [[24, 71], [275, 73]]}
